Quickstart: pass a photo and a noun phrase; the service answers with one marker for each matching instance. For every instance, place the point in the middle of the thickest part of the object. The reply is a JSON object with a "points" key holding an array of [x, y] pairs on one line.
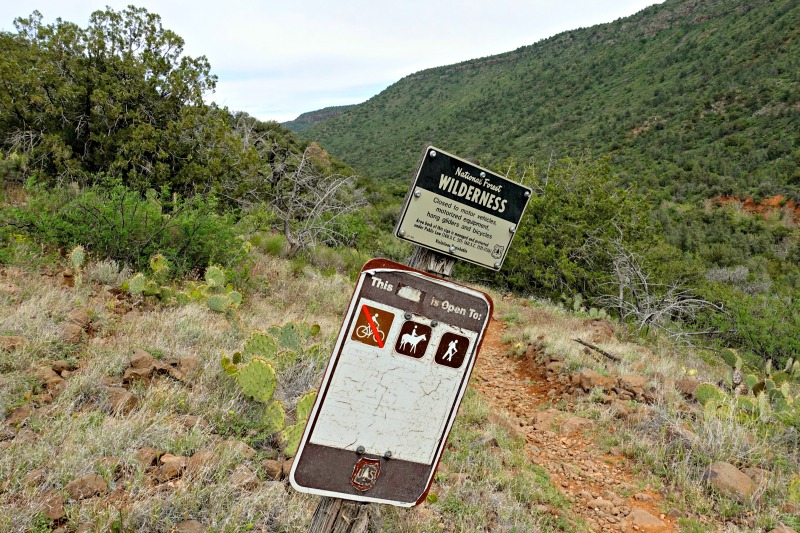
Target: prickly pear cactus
{"points": [[303, 409], [235, 299], [151, 288], [136, 284], [218, 303], [77, 257], [290, 437], [261, 344], [288, 336], [706, 392], [779, 378], [729, 356], [257, 380], [751, 380], [215, 277], [274, 417]]}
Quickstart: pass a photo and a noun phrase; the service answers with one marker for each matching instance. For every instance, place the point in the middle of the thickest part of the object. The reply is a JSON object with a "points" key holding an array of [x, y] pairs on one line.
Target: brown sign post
{"points": [[392, 387]]}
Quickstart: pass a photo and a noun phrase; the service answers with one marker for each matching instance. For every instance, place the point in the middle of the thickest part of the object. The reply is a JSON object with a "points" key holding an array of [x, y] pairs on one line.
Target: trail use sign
{"points": [[462, 210], [392, 388]]}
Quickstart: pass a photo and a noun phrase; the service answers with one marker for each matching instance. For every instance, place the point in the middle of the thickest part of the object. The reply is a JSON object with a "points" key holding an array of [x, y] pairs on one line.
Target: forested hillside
{"points": [[691, 98], [307, 120]]}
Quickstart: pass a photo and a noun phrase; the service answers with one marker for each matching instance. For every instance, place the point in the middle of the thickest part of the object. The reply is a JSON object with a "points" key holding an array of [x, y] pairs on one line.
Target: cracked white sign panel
{"points": [[386, 401]]}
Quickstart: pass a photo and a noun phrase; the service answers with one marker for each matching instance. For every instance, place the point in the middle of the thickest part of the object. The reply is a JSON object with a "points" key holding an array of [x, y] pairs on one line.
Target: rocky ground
{"points": [[599, 480], [536, 396]]}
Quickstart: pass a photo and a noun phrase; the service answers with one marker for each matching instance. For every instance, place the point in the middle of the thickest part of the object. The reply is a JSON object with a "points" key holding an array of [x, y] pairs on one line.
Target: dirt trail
{"points": [[606, 494]]}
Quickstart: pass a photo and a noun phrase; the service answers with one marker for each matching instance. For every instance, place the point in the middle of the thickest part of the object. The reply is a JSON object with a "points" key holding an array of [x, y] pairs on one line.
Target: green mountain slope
{"points": [[311, 118], [692, 98]]}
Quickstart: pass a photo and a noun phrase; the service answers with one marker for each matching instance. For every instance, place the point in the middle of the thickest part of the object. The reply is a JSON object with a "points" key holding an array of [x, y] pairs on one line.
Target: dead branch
{"points": [[599, 350]]}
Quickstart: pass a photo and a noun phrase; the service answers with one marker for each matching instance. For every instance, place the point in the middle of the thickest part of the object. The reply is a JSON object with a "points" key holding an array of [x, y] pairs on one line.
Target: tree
{"points": [[106, 98], [299, 187], [563, 243]]}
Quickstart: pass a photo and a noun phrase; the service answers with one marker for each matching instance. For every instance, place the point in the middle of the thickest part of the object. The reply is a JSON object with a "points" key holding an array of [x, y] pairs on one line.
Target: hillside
{"points": [[116, 415], [312, 118], [692, 98]]}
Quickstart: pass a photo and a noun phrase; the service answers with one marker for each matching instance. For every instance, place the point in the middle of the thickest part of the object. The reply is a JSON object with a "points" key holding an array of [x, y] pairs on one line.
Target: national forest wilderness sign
{"points": [[392, 388], [462, 210]]}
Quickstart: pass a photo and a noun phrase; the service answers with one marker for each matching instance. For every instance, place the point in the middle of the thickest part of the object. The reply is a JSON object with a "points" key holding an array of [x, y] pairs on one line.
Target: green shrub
{"points": [[115, 222]]}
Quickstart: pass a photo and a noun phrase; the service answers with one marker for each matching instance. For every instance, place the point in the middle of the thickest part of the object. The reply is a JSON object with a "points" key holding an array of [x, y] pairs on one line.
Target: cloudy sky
{"points": [[277, 59]]}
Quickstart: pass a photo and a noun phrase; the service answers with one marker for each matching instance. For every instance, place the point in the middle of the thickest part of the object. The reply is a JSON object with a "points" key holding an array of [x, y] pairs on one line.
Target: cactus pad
{"points": [[235, 298], [151, 288], [729, 356], [706, 392], [215, 277], [290, 438], [77, 257], [288, 336], [258, 380], [261, 344], [303, 410], [136, 284], [274, 417], [218, 303]]}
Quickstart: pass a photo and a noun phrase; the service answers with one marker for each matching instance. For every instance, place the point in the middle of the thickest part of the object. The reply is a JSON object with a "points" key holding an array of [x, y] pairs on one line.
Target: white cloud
{"points": [[277, 59]]}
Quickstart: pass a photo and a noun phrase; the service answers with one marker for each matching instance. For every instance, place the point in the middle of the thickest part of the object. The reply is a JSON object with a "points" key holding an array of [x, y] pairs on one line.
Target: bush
{"points": [[114, 222]]}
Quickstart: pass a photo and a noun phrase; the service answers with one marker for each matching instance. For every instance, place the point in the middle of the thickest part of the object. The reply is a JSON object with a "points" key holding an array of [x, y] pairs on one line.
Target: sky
{"points": [[276, 59]]}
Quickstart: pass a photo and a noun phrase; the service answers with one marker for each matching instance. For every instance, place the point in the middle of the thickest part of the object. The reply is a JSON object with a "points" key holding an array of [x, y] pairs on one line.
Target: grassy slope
{"points": [[478, 487], [690, 98]]}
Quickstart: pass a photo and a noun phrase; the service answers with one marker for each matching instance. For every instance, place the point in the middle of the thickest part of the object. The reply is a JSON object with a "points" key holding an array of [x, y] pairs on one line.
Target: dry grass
{"points": [[476, 489]]}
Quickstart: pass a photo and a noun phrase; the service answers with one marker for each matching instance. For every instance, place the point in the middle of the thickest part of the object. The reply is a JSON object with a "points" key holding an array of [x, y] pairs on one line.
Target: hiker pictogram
{"points": [[413, 339], [369, 329], [452, 350]]}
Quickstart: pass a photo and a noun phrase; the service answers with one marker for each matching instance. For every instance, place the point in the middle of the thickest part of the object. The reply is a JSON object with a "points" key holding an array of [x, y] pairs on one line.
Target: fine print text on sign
{"points": [[462, 210], [392, 388]]}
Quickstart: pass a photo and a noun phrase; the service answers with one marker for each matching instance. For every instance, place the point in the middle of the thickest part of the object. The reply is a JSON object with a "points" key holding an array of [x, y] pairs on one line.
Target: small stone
{"points": [[642, 497], [61, 366], [272, 468], [34, 477], [121, 400], [11, 343], [641, 520], [141, 359], [147, 456], [18, 415], [189, 367], [759, 476], [728, 479], [86, 487], [133, 375], [244, 478], [600, 503], [71, 333], [574, 424], [53, 505], [200, 460], [172, 466], [782, 529], [46, 373], [190, 526], [79, 317], [287, 466], [237, 447]]}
